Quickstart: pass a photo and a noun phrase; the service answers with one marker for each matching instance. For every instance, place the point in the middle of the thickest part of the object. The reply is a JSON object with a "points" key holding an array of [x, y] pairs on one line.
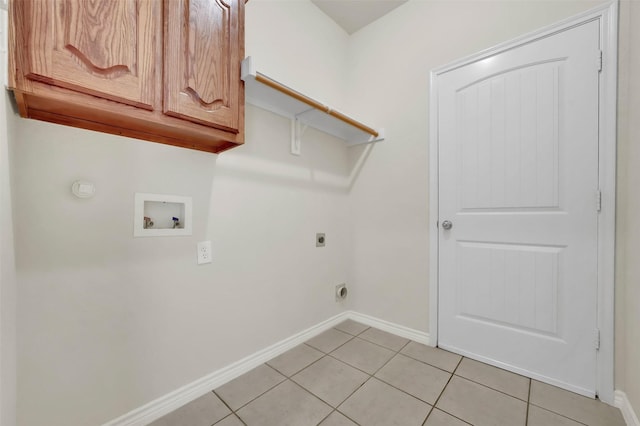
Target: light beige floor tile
{"points": [[434, 356], [496, 378], [363, 355], [285, 405], [480, 405], [337, 419], [294, 360], [414, 377], [377, 403], [329, 340], [203, 411], [541, 417], [352, 327], [577, 407], [330, 380], [239, 391], [231, 420], [440, 418], [385, 339]]}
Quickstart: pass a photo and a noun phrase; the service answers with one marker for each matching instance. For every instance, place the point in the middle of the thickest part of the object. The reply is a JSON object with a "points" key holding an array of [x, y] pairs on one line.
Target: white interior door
{"points": [[518, 181]]}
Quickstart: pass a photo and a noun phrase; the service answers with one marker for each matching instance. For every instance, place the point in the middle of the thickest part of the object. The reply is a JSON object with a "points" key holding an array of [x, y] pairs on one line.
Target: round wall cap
{"points": [[83, 189]]}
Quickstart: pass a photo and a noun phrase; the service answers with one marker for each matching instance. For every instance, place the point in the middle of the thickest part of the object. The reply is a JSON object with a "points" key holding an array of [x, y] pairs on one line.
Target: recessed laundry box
{"points": [[161, 215]]}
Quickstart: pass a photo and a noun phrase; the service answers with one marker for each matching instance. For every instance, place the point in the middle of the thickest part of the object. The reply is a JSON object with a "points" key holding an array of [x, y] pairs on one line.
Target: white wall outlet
{"points": [[204, 252]]}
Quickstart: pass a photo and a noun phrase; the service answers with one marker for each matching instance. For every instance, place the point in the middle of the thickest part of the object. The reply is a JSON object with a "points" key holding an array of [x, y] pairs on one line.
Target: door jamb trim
{"points": [[607, 15]]}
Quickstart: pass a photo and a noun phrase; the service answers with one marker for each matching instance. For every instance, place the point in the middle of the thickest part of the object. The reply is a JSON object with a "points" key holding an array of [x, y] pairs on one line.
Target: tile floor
{"points": [[357, 375]]}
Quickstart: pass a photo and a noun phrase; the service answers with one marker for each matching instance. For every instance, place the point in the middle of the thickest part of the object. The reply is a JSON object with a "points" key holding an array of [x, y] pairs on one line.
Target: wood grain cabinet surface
{"points": [[164, 71]]}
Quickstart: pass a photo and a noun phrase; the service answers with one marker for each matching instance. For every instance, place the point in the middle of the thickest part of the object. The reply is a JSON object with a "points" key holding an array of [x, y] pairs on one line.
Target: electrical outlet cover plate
{"points": [[204, 252]]}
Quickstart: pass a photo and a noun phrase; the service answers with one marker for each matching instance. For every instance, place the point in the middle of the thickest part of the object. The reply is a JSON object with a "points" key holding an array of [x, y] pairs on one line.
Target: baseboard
{"points": [[164, 405], [622, 402], [398, 330]]}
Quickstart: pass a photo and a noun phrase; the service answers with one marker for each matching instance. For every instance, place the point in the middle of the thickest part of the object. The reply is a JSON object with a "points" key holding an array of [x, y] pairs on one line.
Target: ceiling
{"points": [[355, 14]]}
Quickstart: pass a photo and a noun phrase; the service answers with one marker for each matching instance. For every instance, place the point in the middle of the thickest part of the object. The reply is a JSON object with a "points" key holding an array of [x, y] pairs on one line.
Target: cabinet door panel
{"points": [[203, 44], [102, 48]]}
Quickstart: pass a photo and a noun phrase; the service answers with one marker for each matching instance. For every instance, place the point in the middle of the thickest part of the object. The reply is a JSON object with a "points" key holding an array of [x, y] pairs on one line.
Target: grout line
{"points": [[350, 395], [318, 396], [232, 414], [327, 402], [428, 414], [356, 423], [354, 335], [401, 390], [253, 399], [405, 345], [312, 347], [223, 401], [372, 376], [457, 365], [384, 364], [298, 371], [351, 337], [445, 387], [526, 419], [442, 392], [379, 345], [424, 362], [448, 414], [559, 414], [493, 389], [464, 378], [489, 387], [350, 365], [424, 422], [389, 384], [327, 416]]}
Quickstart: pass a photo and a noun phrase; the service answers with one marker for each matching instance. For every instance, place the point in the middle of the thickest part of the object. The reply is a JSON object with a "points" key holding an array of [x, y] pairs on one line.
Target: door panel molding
{"points": [[606, 15]]}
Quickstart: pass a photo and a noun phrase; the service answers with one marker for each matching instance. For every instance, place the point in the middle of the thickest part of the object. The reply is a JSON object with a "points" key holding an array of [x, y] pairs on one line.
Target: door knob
{"points": [[447, 224]]}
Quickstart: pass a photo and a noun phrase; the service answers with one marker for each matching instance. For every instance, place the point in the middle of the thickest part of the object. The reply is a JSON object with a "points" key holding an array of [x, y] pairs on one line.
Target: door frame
{"points": [[607, 16]]}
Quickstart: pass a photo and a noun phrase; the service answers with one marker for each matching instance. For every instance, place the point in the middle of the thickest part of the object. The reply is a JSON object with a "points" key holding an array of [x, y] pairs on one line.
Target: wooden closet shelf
{"points": [[268, 93]]}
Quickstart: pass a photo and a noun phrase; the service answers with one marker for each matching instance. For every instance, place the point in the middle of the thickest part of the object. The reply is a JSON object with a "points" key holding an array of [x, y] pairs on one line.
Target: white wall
{"points": [[8, 298], [298, 45], [7, 261], [628, 220], [108, 322]]}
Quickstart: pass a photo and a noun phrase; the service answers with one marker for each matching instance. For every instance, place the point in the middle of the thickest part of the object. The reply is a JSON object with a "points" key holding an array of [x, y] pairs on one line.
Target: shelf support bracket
{"points": [[297, 130]]}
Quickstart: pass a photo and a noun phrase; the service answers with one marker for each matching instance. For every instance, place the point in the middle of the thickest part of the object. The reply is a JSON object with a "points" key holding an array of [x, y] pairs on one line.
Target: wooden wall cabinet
{"points": [[166, 72]]}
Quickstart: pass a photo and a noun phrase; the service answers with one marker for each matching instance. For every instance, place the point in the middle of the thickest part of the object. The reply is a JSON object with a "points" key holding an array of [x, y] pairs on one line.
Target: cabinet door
{"points": [[97, 47], [203, 47]]}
